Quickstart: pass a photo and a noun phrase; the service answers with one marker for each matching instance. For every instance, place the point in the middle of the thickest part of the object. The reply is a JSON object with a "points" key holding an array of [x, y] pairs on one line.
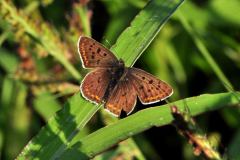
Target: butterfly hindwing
{"points": [[123, 97], [149, 88], [93, 54], [94, 85]]}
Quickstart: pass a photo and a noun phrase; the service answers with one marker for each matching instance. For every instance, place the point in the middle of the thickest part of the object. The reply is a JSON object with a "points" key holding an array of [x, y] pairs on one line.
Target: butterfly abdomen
{"points": [[116, 74]]}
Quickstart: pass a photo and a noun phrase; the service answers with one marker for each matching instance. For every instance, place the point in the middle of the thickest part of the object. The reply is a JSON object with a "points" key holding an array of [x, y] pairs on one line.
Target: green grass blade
{"points": [[204, 51], [106, 137], [146, 25], [57, 135]]}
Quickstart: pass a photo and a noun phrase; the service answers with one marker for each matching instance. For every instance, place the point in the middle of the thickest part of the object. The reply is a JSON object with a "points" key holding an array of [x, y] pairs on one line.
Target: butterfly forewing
{"points": [[149, 88], [93, 54], [94, 85], [123, 97]]}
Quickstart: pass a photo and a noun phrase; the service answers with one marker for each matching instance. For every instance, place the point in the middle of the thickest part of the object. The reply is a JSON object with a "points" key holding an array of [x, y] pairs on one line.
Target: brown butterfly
{"points": [[115, 85]]}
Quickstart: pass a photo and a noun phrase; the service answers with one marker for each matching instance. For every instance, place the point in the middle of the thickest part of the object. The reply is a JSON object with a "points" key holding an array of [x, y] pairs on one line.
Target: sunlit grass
{"points": [[196, 52]]}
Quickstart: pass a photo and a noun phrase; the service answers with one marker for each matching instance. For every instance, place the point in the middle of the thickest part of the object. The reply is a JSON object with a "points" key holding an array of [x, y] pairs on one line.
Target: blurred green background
{"points": [[35, 81]]}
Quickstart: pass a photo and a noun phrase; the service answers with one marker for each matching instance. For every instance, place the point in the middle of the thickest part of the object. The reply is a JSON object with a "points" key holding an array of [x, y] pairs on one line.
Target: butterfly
{"points": [[113, 84]]}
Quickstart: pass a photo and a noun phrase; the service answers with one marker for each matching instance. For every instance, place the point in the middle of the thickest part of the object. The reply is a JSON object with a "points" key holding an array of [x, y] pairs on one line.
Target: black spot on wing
{"points": [[150, 82], [98, 50]]}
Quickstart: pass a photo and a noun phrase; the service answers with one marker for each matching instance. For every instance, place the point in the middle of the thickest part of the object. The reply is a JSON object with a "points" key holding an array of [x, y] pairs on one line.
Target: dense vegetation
{"points": [[193, 45]]}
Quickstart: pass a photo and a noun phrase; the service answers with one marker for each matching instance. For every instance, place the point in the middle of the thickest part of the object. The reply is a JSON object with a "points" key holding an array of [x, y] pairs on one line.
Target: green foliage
{"points": [[197, 52]]}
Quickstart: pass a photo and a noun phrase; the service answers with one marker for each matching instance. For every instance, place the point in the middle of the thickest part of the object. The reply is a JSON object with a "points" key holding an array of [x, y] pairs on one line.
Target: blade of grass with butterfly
{"points": [[157, 116], [60, 131]]}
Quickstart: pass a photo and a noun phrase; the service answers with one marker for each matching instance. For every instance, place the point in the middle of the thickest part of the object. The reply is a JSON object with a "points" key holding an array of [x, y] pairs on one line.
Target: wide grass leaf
{"points": [[136, 38], [106, 137], [60, 130]]}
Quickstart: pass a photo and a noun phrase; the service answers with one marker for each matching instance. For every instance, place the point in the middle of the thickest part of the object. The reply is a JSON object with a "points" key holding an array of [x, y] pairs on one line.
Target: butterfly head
{"points": [[121, 63]]}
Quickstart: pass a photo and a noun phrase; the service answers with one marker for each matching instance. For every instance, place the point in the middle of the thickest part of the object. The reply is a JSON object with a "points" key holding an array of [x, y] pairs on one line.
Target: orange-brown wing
{"points": [[123, 97], [94, 85], [93, 54], [149, 88]]}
